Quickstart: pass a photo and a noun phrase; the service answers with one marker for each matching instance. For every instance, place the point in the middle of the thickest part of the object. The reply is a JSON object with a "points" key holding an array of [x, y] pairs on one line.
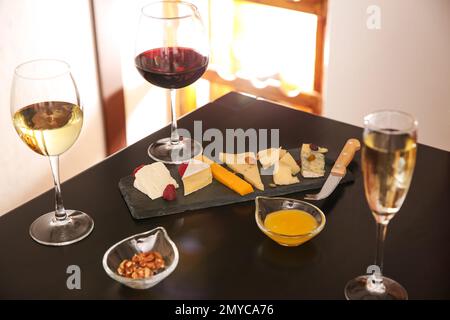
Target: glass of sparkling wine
{"points": [[47, 115], [388, 161]]}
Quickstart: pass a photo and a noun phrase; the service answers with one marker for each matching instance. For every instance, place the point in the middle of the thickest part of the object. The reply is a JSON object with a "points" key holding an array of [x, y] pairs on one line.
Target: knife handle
{"points": [[345, 157]]}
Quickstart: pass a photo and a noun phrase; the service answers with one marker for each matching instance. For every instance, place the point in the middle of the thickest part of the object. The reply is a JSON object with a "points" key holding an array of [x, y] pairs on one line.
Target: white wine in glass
{"points": [[50, 128], [388, 161], [47, 114]]}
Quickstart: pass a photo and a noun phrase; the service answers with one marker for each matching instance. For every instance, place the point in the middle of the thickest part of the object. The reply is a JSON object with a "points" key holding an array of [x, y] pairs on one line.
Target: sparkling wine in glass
{"points": [[47, 115], [388, 161], [172, 52]]}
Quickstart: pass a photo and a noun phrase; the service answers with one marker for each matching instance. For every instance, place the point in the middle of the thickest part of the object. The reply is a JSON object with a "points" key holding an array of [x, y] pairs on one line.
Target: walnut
{"points": [[142, 265]]}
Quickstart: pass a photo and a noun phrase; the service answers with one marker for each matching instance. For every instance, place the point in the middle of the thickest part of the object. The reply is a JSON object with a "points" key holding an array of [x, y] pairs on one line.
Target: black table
{"points": [[222, 252]]}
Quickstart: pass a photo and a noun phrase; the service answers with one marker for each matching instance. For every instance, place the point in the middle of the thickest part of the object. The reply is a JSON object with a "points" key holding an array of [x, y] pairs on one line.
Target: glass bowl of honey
{"points": [[288, 222]]}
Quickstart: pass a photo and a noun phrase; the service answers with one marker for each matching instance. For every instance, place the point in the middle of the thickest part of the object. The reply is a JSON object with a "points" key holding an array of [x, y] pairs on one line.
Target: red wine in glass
{"points": [[172, 52], [171, 67]]}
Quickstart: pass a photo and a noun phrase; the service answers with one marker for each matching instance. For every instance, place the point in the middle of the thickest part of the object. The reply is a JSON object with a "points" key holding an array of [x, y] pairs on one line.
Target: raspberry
{"points": [[170, 193], [137, 169], [182, 169]]}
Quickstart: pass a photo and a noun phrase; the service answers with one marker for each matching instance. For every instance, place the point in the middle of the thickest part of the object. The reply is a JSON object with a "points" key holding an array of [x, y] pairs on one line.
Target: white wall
{"points": [[404, 65], [31, 29]]}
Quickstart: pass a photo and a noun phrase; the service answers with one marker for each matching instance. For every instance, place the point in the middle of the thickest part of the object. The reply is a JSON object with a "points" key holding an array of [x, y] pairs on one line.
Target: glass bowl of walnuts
{"points": [[143, 260]]}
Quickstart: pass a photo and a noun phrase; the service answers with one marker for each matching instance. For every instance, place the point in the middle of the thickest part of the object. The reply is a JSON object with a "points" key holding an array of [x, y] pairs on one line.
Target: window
{"points": [[270, 48]]}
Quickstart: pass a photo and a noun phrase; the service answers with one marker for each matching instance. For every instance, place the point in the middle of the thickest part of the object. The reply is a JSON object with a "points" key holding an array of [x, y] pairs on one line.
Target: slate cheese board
{"points": [[214, 195]]}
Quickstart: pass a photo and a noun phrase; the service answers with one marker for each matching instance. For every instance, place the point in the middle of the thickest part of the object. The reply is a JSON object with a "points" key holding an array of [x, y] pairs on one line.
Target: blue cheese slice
{"points": [[153, 179], [313, 162]]}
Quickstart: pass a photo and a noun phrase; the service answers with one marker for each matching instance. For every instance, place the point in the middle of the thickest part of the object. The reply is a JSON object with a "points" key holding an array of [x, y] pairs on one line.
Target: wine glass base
{"points": [[48, 231], [166, 152], [356, 289]]}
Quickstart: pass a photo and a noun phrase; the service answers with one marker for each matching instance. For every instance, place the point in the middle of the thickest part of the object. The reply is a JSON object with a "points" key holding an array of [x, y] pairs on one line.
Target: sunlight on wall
{"points": [[264, 44]]}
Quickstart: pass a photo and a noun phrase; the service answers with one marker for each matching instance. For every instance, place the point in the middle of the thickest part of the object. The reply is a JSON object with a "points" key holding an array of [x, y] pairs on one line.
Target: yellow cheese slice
{"points": [[228, 178], [246, 165], [283, 176], [288, 160], [231, 180]]}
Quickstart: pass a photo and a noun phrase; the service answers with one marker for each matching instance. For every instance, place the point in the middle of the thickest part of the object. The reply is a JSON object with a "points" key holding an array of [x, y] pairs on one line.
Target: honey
{"points": [[290, 222], [290, 227]]}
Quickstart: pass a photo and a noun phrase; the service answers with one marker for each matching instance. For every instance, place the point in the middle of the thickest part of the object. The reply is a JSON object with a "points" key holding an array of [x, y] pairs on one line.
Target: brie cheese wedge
{"points": [[197, 176]]}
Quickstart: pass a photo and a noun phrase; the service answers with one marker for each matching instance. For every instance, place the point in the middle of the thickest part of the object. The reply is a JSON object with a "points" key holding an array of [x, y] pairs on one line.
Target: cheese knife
{"points": [[338, 171]]}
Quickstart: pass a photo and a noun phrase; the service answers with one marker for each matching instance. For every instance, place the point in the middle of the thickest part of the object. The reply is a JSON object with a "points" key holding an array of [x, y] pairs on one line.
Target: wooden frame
{"points": [[309, 6], [311, 102]]}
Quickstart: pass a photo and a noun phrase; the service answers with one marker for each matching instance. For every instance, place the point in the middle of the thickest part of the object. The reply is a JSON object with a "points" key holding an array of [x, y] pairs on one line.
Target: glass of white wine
{"points": [[388, 161], [47, 115]]}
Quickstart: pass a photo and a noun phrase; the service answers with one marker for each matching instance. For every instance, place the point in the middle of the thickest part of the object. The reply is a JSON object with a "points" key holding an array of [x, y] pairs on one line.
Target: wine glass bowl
{"points": [[388, 157], [172, 52], [48, 117]]}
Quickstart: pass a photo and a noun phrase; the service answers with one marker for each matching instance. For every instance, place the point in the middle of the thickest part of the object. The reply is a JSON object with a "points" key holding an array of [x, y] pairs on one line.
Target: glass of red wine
{"points": [[172, 52]]}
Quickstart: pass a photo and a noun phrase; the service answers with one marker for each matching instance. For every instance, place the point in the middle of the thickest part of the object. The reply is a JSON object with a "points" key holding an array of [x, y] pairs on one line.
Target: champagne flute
{"points": [[172, 52], [388, 161], [47, 115]]}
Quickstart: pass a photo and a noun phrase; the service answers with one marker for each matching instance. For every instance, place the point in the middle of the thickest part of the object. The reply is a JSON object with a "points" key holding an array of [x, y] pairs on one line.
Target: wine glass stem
{"points": [[376, 280], [174, 137], [381, 236], [60, 211]]}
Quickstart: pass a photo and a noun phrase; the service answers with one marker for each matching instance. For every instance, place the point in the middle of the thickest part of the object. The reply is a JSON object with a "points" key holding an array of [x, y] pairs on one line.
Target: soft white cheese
{"points": [[153, 179]]}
